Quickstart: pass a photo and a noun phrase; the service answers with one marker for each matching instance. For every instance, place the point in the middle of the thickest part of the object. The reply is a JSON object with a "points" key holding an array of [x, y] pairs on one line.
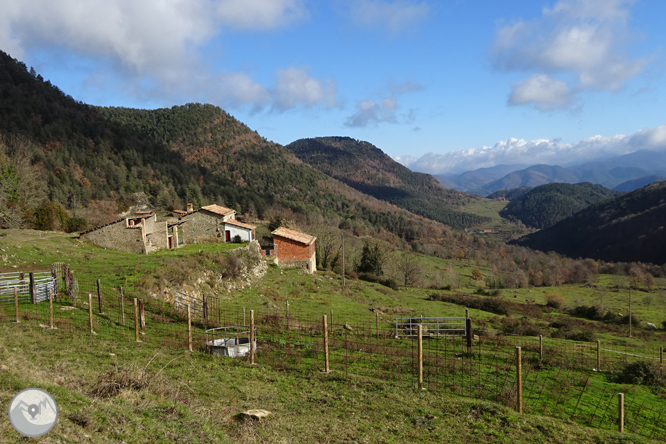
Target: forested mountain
{"points": [[626, 228], [548, 204], [368, 169], [473, 181], [86, 158], [532, 177]]}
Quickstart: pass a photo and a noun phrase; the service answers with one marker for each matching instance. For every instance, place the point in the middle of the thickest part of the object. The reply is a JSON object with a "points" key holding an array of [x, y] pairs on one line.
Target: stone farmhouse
{"points": [[292, 248], [138, 233], [213, 223]]}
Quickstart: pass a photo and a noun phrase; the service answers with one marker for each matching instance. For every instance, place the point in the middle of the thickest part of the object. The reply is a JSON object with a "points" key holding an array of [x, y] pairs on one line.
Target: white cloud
{"points": [[369, 112], [295, 87], [520, 151], [153, 44], [543, 91], [261, 14], [584, 39], [405, 160], [395, 15]]}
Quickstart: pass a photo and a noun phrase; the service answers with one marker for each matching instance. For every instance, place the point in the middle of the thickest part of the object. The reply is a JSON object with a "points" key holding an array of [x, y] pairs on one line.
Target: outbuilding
{"points": [[294, 249]]}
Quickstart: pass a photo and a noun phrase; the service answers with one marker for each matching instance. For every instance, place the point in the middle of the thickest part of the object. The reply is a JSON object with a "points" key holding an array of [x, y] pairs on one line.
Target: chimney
{"points": [[190, 207]]}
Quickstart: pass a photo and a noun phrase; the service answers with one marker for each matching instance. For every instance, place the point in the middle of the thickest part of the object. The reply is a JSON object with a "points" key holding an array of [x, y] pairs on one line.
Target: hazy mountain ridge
{"points": [[626, 228], [608, 172]]}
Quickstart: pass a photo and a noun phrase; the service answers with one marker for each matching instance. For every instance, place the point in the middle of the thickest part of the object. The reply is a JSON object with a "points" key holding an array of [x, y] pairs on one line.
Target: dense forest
{"points": [[96, 162], [366, 168], [548, 204], [627, 228]]}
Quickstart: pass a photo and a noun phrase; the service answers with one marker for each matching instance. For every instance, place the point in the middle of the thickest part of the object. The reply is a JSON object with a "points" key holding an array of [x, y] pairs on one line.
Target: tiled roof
{"points": [[240, 224], [217, 209], [179, 212], [294, 235]]}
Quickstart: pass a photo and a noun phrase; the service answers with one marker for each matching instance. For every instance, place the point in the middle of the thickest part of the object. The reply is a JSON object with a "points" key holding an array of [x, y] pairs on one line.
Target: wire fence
{"points": [[563, 379]]}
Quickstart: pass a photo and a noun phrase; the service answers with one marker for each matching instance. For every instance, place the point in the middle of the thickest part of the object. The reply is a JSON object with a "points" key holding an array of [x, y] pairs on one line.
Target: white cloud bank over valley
{"points": [[538, 151]]}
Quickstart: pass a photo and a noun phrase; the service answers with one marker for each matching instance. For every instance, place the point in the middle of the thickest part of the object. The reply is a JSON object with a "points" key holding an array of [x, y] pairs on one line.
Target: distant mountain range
{"points": [[626, 228], [621, 173]]}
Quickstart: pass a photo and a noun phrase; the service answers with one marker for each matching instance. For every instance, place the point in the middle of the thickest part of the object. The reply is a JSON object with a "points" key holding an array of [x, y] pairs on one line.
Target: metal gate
{"points": [[196, 305], [44, 282], [431, 327]]}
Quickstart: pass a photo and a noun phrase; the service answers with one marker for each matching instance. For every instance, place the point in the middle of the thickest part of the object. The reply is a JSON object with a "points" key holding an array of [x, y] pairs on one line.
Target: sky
{"points": [[442, 86]]}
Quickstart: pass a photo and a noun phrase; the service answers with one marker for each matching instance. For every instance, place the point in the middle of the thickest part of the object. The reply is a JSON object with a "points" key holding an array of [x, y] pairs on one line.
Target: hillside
{"points": [[627, 228], [511, 194], [532, 177], [548, 204], [634, 184], [366, 168], [95, 162]]}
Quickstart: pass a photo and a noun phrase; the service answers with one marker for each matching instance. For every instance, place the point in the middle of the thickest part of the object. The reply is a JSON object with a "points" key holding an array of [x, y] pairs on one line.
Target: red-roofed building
{"points": [[294, 249]]}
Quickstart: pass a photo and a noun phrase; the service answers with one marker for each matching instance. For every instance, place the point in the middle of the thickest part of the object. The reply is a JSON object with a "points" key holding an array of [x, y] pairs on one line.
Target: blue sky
{"points": [[447, 85]]}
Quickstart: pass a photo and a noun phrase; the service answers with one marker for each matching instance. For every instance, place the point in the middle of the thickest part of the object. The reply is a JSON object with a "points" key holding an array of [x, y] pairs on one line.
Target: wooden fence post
{"points": [[469, 336], [122, 306], [287, 316], [142, 317], [136, 320], [16, 305], [99, 297], [420, 357], [90, 316], [331, 322], [32, 288], [377, 324], [252, 338], [620, 412], [661, 356], [519, 382], [540, 348], [189, 328], [598, 355], [327, 367], [243, 316], [51, 308]]}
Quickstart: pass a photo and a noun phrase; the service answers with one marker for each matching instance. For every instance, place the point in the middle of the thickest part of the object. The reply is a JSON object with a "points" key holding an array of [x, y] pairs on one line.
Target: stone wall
{"points": [[118, 237], [157, 240], [202, 227]]}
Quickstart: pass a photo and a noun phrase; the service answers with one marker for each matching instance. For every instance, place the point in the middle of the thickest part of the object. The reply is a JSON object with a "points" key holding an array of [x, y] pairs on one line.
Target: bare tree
{"points": [[411, 270]]}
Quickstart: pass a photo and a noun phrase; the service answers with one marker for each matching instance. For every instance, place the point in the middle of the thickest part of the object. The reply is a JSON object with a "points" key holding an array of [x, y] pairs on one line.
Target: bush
{"points": [[663, 324], [555, 301], [237, 239], [392, 284], [638, 373], [587, 312], [581, 335]]}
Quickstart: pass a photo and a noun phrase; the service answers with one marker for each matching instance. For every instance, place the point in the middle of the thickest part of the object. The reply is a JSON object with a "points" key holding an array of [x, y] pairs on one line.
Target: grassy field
{"points": [[111, 390], [195, 398], [491, 209]]}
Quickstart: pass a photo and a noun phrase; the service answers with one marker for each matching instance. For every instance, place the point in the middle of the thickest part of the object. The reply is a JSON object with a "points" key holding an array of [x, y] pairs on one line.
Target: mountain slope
{"points": [[366, 168], [626, 228], [632, 185], [532, 177], [474, 180], [85, 156], [548, 204]]}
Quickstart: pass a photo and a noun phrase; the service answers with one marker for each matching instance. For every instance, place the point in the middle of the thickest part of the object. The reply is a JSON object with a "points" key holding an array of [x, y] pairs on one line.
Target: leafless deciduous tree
{"points": [[411, 270]]}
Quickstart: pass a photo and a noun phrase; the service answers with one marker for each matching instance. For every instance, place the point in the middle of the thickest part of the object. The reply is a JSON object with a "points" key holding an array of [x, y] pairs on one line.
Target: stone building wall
{"points": [[158, 239], [202, 227], [118, 237]]}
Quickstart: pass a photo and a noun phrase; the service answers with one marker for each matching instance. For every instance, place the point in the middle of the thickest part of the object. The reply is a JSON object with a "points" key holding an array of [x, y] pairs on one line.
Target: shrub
{"points": [[638, 373], [581, 335], [587, 312], [663, 324], [237, 239], [554, 300]]}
